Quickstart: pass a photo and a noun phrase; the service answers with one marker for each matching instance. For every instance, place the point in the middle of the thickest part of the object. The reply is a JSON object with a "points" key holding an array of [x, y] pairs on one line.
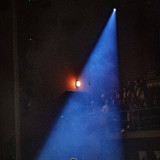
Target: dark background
{"points": [[55, 39]]}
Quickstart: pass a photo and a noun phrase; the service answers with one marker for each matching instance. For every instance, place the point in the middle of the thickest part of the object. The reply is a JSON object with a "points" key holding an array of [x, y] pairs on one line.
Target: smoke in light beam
{"points": [[101, 70], [81, 129]]}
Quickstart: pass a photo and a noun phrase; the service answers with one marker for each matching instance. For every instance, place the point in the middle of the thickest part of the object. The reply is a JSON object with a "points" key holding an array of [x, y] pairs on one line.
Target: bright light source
{"points": [[78, 83], [114, 10]]}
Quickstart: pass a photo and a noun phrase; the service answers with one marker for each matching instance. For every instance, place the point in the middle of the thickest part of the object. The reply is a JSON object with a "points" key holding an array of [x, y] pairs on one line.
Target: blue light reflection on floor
{"points": [[79, 132]]}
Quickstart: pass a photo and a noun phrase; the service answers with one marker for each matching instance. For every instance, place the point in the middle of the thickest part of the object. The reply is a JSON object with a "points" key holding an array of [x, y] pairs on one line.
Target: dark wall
{"points": [[7, 136], [138, 38]]}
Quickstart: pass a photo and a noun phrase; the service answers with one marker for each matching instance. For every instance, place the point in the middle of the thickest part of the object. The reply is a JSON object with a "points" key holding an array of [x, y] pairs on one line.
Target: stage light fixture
{"points": [[78, 83], [114, 10]]}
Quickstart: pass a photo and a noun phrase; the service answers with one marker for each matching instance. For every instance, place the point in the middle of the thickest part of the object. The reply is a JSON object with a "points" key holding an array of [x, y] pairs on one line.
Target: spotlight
{"points": [[78, 83], [114, 9]]}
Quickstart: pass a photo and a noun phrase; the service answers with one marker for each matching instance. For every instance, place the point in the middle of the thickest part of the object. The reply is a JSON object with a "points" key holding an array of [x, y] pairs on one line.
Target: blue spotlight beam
{"points": [[101, 69], [78, 132]]}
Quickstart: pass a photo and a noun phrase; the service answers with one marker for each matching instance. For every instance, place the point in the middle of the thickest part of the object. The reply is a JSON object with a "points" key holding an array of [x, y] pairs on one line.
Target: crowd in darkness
{"points": [[131, 104], [129, 98]]}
